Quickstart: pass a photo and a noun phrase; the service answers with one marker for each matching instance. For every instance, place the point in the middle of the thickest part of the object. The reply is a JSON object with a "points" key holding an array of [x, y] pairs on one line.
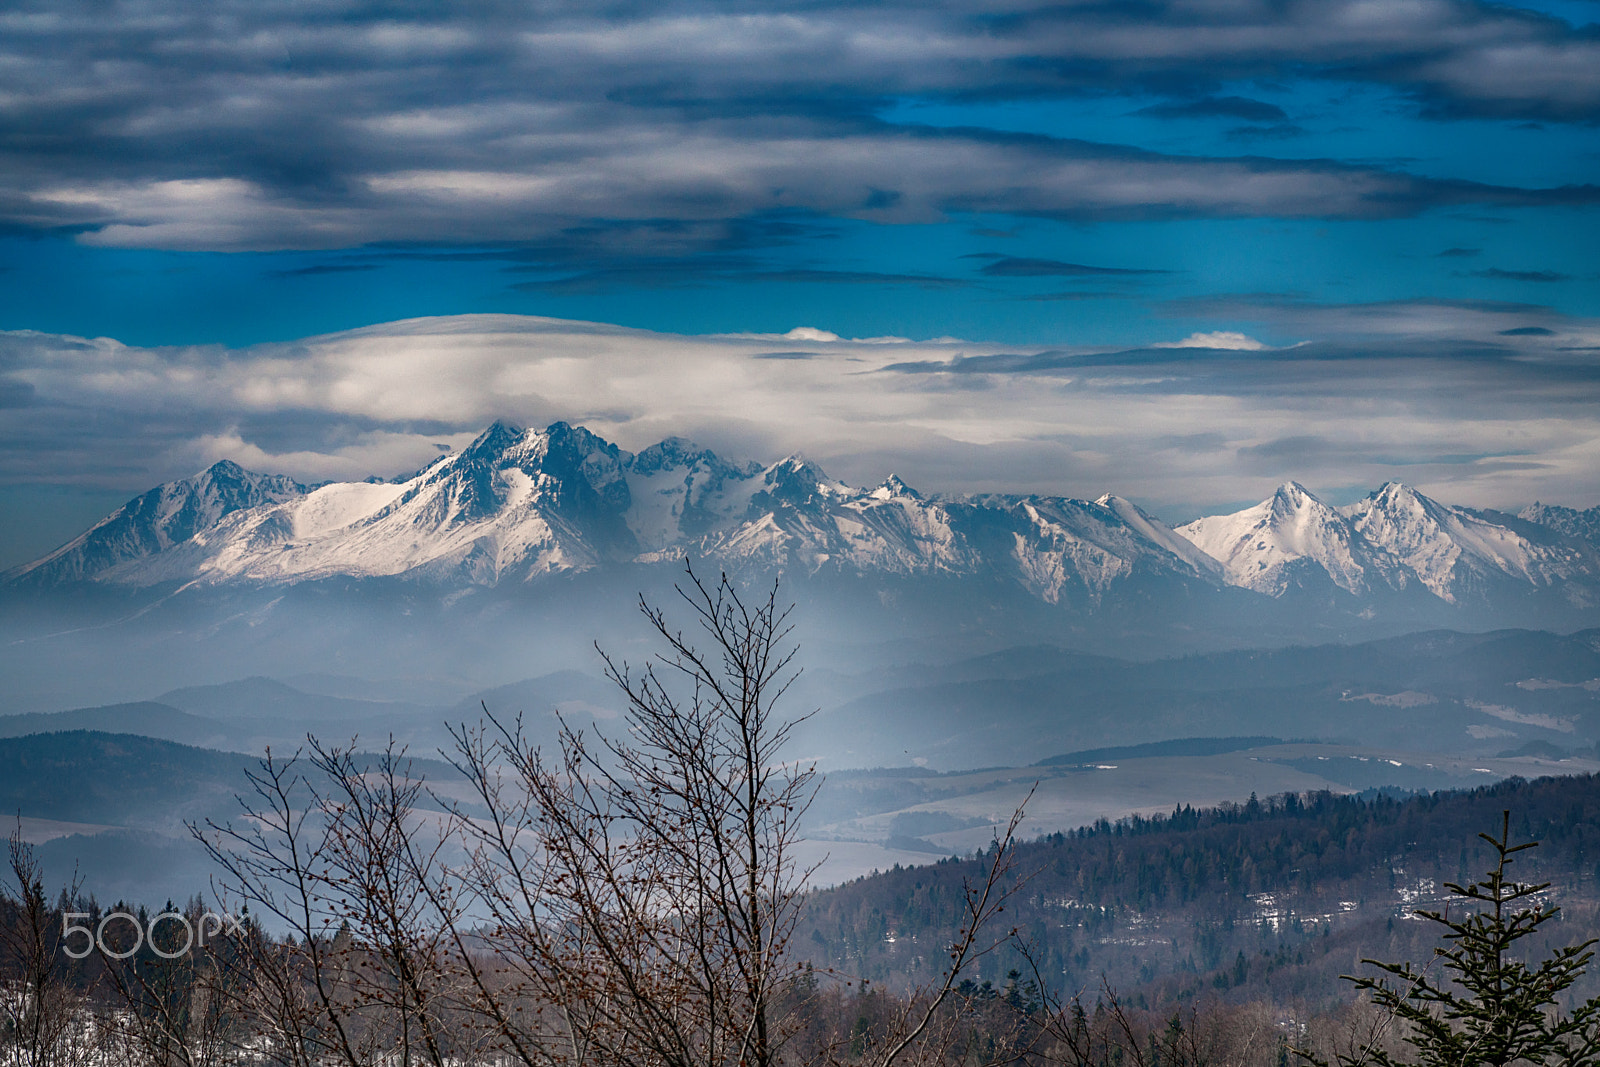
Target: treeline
{"points": [[1273, 895], [1234, 964]]}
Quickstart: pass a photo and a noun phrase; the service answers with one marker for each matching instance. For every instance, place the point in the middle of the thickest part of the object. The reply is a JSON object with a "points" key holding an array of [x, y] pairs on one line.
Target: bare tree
{"points": [[647, 885], [43, 1021], [277, 861], [921, 1031], [622, 901], [644, 887], [384, 879]]}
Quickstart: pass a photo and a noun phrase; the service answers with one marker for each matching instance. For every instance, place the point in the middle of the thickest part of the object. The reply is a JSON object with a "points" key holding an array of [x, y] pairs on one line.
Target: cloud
{"points": [[1017, 267], [702, 175], [1497, 274], [158, 126], [325, 268], [1071, 296], [1221, 339], [810, 333], [1282, 131], [1439, 393]]}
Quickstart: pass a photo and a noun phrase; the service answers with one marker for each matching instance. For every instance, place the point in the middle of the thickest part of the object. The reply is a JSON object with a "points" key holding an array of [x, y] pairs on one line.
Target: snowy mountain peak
{"points": [[518, 503], [500, 436], [1148, 526], [1582, 526], [167, 515], [1456, 552], [1292, 496], [1396, 495], [893, 487], [796, 480], [1290, 539]]}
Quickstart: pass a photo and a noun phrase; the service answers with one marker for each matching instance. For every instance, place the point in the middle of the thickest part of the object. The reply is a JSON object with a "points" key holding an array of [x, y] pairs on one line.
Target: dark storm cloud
{"points": [[1442, 355], [1298, 451], [1081, 295], [857, 277], [277, 125], [1282, 131], [15, 394], [703, 271]]}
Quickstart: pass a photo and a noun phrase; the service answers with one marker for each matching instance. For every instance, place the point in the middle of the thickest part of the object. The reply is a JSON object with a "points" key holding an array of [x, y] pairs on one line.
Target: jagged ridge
{"points": [[518, 504], [1393, 540]]}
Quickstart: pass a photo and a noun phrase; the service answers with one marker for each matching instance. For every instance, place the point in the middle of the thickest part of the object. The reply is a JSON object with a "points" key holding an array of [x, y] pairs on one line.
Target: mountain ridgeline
{"points": [[517, 506]]}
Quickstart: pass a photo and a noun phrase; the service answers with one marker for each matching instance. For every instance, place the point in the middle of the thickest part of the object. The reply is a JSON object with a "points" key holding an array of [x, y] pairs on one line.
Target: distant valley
{"points": [[921, 761]]}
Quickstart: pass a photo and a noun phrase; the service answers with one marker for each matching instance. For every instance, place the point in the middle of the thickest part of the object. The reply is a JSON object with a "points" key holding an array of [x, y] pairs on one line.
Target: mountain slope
{"points": [[165, 516], [1581, 526], [1456, 552], [1395, 540], [1287, 541], [519, 506], [516, 505]]}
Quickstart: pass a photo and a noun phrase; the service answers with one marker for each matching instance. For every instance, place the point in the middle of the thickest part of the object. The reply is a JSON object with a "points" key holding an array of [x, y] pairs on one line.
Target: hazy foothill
{"points": [[643, 896]]}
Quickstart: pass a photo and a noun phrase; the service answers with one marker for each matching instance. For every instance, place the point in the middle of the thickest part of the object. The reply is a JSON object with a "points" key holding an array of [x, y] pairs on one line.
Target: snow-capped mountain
{"points": [[167, 515], [1457, 552], [1288, 540], [1579, 525], [516, 505], [1395, 539]]}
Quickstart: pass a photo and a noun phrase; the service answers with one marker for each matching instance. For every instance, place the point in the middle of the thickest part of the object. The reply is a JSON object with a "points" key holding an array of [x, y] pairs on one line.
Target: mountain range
{"points": [[517, 505]]}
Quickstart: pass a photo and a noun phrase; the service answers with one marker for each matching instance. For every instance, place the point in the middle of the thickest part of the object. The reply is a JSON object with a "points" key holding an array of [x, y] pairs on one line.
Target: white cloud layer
{"points": [[1433, 394]]}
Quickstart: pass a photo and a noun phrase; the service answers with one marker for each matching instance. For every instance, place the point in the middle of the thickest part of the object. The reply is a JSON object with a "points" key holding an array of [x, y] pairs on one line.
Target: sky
{"points": [[1181, 251]]}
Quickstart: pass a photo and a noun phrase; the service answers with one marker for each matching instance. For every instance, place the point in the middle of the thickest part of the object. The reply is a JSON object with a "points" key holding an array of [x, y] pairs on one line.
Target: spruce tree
{"points": [[1486, 1007]]}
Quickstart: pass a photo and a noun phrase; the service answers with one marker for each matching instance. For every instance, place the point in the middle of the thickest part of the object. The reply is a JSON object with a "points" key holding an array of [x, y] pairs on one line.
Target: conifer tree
{"points": [[1487, 1006]]}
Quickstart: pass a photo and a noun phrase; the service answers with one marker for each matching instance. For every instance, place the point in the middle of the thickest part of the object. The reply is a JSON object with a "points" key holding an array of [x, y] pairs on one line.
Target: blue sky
{"points": [[1078, 177]]}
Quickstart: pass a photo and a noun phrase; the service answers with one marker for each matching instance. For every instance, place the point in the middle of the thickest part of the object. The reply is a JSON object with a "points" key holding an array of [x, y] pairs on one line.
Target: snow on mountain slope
{"points": [[155, 521], [517, 504], [1394, 539], [1285, 539], [1453, 551], [513, 504], [1570, 522], [1077, 550], [797, 516], [680, 491], [1152, 528]]}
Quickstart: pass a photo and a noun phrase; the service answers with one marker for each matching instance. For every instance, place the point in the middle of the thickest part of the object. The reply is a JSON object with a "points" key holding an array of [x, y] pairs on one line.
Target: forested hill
{"points": [[1272, 898]]}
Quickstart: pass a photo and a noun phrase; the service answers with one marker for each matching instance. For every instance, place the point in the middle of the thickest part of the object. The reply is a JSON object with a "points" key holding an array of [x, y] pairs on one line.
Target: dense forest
{"points": [[1277, 896]]}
